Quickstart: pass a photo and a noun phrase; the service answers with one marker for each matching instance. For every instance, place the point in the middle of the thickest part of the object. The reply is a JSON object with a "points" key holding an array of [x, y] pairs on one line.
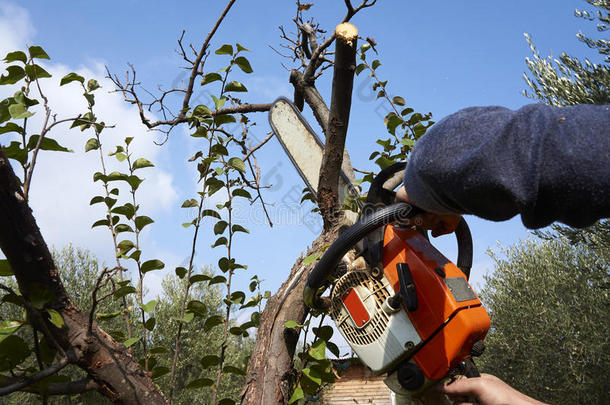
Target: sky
{"points": [[440, 56]]}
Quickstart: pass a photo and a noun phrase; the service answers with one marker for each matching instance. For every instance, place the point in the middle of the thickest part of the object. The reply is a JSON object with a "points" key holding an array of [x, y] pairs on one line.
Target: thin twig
{"points": [[35, 378]]}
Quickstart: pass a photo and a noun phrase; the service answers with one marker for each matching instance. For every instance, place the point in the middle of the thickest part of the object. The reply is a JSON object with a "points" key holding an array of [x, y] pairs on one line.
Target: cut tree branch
{"points": [[341, 101]]}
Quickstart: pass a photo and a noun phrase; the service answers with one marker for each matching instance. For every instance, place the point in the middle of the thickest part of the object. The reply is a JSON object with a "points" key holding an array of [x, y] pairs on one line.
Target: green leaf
{"points": [[141, 221], [233, 370], [226, 49], [235, 86], [220, 241], [36, 72], [101, 222], [200, 132], [15, 73], [223, 264], [8, 327], [217, 280], [55, 318], [196, 307], [239, 228], [325, 332], [150, 265], [125, 246], [90, 100], [202, 111], [213, 185], [297, 394], [398, 100], [210, 77], [241, 48], [71, 77], [240, 192], [19, 111], [291, 324], [16, 56], [238, 297], [406, 111], [128, 210], [149, 306], [180, 272], [188, 317], [210, 213], [142, 163], [312, 258], [134, 182], [158, 350], [237, 164], [122, 228], [224, 119], [123, 291], [5, 268], [197, 278], [13, 351], [243, 64], [318, 350], [92, 85], [37, 52], [190, 203], [159, 372], [220, 227], [333, 348], [199, 383], [14, 151], [360, 68], [150, 324], [46, 144], [11, 127], [218, 102], [92, 144], [210, 361], [106, 316], [131, 342], [375, 64], [212, 321]]}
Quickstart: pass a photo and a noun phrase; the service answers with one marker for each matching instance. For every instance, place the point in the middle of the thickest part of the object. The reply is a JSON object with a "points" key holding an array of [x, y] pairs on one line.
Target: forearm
{"points": [[545, 163]]}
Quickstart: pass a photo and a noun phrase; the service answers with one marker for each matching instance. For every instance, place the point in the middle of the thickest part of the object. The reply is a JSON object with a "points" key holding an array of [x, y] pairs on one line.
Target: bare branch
{"points": [[25, 381], [204, 47]]}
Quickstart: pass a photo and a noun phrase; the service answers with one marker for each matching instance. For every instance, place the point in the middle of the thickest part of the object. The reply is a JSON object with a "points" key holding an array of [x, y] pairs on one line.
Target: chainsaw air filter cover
{"points": [[380, 337]]}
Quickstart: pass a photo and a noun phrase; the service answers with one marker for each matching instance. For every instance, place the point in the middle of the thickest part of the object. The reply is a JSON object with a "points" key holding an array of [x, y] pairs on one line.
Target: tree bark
{"points": [[117, 375], [340, 105], [270, 370]]}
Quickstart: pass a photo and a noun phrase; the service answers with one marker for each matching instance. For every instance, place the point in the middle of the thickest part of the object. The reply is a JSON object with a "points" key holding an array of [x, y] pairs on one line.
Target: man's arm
{"points": [[546, 163]]}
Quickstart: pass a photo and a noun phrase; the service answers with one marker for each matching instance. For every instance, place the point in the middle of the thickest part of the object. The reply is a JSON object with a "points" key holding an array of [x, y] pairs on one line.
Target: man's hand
{"points": [[488, 390], [437, 223]]}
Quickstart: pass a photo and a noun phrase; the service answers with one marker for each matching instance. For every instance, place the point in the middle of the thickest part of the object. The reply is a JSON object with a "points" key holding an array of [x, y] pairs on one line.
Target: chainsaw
{"points": [[406, 311]]}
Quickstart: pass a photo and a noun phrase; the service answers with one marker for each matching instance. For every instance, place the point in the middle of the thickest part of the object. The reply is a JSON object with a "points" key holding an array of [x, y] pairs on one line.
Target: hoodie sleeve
{"points": [[543, 162]]}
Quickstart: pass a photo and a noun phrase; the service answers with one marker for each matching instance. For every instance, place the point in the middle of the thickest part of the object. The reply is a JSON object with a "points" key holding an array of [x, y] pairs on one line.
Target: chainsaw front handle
{"points": [[396, 212]]}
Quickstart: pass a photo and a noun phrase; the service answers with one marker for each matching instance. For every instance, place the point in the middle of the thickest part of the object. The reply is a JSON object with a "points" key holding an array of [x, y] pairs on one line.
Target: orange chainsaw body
{"points": [[449, 317]]}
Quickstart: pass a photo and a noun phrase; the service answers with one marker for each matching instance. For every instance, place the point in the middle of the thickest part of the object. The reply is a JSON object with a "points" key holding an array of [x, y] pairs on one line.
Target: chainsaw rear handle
{"points": [[346, 241]]}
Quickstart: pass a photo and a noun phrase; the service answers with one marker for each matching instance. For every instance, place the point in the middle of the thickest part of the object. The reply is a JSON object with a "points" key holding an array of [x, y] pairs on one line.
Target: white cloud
{"points": [[62, 184], [16, 28]]}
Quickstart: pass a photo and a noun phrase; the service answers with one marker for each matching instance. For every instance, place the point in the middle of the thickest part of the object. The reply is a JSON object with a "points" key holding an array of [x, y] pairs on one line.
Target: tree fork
{"points": [[340, 105], [116, 374]]}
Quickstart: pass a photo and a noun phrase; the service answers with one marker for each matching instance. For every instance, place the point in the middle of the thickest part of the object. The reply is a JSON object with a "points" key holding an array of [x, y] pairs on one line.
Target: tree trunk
{"points": [[118, 376]]}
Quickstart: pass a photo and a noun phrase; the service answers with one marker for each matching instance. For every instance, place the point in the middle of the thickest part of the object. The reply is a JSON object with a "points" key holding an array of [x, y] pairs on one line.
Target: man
{"points": [[544, 163]]}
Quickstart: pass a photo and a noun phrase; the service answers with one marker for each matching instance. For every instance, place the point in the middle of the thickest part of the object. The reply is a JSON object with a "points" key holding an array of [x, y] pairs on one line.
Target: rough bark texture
{"points": [[270, 368], [116, 374], [340, 105]]}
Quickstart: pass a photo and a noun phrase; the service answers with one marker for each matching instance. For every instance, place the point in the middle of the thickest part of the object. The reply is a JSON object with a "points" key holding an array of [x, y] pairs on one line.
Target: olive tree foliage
{"points": [[548, 297], [567, 80], [549, 307]]}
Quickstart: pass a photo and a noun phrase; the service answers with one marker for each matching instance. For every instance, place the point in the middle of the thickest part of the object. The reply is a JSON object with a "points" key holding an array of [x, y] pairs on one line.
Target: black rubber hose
{"points": [[368, 224], [336, 251]]}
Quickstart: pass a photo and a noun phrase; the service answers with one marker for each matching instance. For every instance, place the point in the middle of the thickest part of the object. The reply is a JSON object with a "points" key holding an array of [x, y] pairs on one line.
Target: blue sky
{"points": [[440, 56]]}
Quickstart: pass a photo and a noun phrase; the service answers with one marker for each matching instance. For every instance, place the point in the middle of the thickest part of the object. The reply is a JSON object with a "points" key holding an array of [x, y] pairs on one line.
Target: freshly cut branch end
{"points": [[346, 32]]}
